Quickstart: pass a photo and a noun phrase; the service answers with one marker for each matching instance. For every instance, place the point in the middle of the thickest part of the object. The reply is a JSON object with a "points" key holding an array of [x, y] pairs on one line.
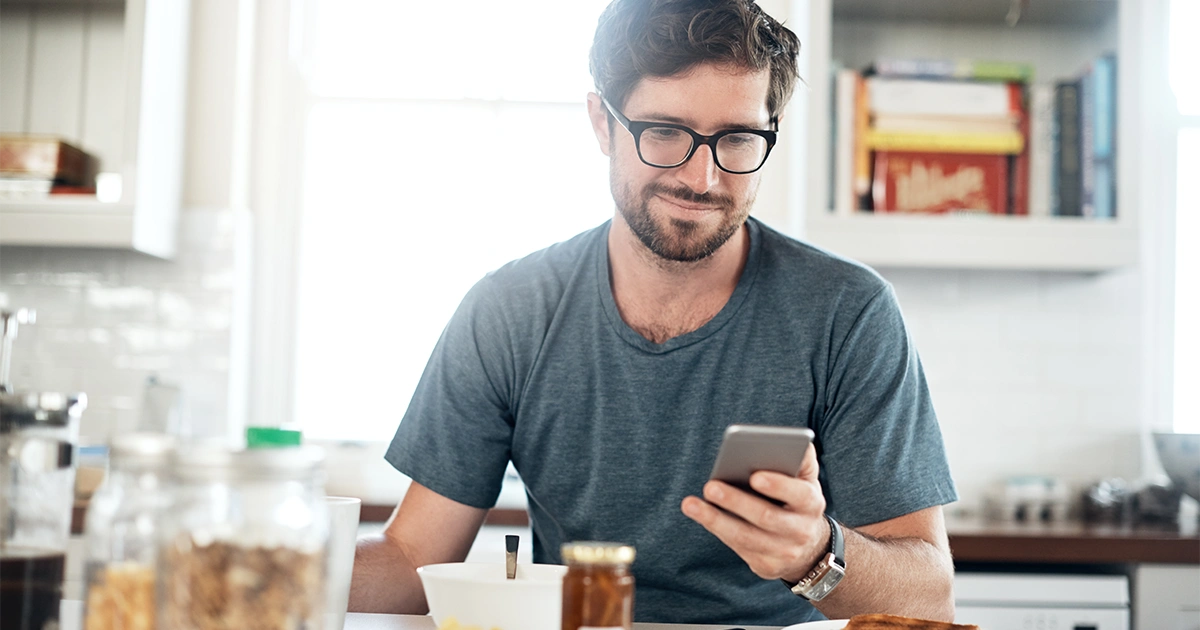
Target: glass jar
{"points": [[243, 545], [597, 591], [121, 534], [38, 435]]}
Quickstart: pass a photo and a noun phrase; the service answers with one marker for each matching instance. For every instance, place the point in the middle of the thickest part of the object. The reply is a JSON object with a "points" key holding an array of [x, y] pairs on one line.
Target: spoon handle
{"points": [[510, 554]]}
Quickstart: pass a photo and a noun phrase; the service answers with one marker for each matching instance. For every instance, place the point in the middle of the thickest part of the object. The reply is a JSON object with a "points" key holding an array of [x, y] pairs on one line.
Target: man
{"points": [[606, 368]]}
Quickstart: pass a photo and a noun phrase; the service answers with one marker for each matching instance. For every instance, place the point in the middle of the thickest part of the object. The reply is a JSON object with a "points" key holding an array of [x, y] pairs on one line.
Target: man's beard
{"points": [[679, 240]]}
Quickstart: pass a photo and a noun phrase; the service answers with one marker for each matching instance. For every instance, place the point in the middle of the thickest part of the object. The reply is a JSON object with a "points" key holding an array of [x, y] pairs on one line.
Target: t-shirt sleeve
{"points": [[456, 436], [882, 451]]}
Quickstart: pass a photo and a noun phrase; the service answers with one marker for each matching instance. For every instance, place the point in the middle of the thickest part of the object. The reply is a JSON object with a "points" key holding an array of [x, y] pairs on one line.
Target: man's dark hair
{"points": [[661, 38]]}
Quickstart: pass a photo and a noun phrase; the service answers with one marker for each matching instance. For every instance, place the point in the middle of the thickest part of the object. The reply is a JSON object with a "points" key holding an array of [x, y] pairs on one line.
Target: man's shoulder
{"points": [[810, 268]]}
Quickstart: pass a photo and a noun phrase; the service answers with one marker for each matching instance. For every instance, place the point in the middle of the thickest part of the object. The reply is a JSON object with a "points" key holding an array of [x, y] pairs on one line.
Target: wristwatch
{"points": [[830, 570]]}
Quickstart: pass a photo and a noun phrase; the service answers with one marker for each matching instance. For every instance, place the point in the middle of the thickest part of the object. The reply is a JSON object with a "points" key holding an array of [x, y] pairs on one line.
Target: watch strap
{"points": [[828, 571], [837, 542]]}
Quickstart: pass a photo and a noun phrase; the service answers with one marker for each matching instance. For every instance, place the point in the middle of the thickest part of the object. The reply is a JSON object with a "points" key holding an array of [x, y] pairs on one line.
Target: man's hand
{"points": [[775, 541]]}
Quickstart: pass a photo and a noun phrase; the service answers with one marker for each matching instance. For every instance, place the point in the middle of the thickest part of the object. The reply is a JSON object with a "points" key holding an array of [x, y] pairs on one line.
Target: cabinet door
{"points": [[1166, 597]]}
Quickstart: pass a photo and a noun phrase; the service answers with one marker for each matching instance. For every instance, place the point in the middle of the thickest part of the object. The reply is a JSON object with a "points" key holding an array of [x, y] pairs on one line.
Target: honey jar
{"points": [[597, 591]]}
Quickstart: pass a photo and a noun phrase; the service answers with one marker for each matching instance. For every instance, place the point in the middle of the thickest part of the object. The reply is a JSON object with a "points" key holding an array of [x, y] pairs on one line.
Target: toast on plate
{"points": [[891, 622]]}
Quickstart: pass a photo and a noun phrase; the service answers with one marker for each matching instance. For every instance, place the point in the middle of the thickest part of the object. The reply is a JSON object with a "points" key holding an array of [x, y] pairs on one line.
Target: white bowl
{"points": [[479, 594], [1179, 454]]}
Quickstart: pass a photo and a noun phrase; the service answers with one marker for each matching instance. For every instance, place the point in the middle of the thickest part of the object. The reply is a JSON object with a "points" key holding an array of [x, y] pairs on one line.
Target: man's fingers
{"points": [[737, 534]]}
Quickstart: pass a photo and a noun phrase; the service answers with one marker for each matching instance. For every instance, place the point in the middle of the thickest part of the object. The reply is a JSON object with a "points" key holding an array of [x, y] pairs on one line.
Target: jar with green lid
{"points": [[121, 533], [597, 591]]}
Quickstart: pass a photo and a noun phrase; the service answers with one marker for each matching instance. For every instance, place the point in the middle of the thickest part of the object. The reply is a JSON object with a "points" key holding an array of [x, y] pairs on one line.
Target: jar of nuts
{"points": [[121, 534], [243, 545]]}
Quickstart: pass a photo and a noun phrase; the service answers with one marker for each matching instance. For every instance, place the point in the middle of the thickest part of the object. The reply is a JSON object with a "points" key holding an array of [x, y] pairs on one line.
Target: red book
{"points": [[908, 181], [1020, 163]]}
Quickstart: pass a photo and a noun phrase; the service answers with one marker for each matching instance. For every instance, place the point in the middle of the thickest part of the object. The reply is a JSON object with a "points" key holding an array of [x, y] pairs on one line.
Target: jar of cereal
{"points": [[121, 534], [243, 545]]}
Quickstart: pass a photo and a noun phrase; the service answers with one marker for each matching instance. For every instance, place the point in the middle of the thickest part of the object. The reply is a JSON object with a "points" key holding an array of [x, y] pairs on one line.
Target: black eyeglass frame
{"points": [[636, 127]]}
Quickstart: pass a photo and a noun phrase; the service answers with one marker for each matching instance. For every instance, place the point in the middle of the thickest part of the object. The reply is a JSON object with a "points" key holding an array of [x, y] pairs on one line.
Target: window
{"points": [[436, 147], [1185, 82]]}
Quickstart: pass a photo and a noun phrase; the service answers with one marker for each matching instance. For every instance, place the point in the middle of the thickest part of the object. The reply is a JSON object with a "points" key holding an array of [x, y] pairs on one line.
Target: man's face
{"points": [[687, 212]]}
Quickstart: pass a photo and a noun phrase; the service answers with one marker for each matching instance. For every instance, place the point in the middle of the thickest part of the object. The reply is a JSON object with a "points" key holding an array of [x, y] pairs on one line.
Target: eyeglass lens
{"points": [[667, 146]]}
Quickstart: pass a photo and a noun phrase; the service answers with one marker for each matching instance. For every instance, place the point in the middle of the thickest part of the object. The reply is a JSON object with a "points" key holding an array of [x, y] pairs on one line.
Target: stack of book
{"points": [[937, 136], [933, 136], [33, 166]]}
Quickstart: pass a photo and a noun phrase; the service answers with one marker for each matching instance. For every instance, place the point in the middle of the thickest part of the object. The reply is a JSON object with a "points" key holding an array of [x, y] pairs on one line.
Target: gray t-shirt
{"points": [[610, 432]]}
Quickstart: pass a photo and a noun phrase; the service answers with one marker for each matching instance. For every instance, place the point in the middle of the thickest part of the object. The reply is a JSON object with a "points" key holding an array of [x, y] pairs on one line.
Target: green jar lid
{"points": [[271, 437]]}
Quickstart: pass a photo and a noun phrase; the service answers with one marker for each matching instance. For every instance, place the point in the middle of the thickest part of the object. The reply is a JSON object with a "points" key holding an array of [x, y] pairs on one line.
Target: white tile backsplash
{"points": [[1032, 373], [108, 320]]}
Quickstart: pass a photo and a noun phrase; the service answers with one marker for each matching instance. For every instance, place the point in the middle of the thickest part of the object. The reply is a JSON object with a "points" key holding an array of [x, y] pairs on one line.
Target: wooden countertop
{"points": [[980, 540]]}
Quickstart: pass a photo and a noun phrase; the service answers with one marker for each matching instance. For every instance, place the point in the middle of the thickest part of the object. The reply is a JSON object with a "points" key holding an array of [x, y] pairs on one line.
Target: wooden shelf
{"points": [[977, 242]]}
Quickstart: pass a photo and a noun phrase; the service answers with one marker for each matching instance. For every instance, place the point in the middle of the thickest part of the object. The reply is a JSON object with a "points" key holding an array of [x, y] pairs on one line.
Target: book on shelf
{"points": [[1067, 173], [1005, 143], [844, 199], [1018, 173], [1097, 146], [1041, 148], [972, 69], [953, 99], [46, 158], [923, 182]]}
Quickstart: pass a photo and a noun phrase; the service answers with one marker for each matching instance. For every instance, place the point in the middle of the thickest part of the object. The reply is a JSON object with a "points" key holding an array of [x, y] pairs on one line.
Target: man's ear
{"points": [[598, 114]]}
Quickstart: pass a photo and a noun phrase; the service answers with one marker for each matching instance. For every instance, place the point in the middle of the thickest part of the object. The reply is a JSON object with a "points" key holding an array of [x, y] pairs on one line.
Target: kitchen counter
{"points": [[981, 540], [71, 613]]}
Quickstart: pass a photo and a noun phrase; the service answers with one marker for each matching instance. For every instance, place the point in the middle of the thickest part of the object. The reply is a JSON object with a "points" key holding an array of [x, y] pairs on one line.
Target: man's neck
{"points": [[661, 298]]}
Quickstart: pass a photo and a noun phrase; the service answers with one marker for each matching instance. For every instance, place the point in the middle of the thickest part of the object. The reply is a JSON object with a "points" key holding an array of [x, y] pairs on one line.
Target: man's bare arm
{"points": [[900, 566], [426, 528]]}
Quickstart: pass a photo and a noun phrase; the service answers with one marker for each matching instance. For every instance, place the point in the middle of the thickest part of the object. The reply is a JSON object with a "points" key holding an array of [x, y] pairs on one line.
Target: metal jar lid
{"points": [[220, 463], [591, 552], [23, 410]]}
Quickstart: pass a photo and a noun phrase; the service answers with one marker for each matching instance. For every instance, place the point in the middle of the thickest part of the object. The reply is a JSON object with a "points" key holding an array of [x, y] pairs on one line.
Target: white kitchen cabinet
{"points": [[1059, 37], [1166, 597], [109, 76]]}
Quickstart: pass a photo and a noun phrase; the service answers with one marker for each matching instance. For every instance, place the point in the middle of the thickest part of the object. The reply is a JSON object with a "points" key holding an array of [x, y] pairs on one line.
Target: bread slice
{"points": [[891, 622]]}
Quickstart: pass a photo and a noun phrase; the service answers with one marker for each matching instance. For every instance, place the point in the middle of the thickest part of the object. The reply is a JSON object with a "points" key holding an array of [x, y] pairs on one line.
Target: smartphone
{"points": [[749, 447]]}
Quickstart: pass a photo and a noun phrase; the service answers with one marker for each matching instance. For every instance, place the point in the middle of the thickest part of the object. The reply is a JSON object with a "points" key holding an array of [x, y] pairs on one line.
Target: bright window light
{"points": [[1185, 56], [1187, 289], [442, 140]]}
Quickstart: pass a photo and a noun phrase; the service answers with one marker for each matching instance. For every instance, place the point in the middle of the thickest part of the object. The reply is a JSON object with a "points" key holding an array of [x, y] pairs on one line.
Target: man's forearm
{"points": [[385, 580], [901, 576]]}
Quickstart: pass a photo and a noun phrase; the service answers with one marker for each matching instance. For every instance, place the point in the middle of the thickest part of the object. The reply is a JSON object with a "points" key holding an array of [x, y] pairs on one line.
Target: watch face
{"points": [[824, 585]]}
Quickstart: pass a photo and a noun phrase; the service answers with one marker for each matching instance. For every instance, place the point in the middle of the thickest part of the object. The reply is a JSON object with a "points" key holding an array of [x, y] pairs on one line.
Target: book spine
{"points": [[1104, 133], [844, 153], [1001, 71], [1087, 142], [1019, 178], [998, 143], [1041, 148], [1066, 152], [862, 152], [940, 182], [938, 98]]}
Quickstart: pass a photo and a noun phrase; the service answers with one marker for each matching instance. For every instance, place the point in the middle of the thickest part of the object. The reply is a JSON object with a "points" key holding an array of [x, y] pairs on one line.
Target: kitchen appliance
{"points": [[1033, 601], [38, 435]]}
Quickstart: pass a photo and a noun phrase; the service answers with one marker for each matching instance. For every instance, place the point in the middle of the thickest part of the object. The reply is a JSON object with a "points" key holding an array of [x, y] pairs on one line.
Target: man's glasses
{"points": [[666, 145]]}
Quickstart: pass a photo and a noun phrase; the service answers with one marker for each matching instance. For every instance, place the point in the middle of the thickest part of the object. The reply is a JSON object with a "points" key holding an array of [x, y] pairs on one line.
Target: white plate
{"points": [[833, 624]]}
